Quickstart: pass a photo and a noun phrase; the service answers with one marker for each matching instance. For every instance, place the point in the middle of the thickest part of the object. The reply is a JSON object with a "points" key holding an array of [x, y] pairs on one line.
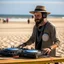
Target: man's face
{"points": [[38, 16]]}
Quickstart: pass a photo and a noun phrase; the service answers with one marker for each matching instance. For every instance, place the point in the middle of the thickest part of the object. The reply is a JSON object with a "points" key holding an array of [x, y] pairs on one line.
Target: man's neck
{"points": [[42, 23]]}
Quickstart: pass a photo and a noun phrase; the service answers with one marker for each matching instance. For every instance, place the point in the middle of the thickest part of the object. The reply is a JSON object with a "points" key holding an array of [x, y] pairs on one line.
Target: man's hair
{"points": [[44, 15]]}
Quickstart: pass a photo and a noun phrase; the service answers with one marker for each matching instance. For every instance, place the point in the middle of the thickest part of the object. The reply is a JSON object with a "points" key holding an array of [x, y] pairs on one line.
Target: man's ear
{"points": [[44, 15]]}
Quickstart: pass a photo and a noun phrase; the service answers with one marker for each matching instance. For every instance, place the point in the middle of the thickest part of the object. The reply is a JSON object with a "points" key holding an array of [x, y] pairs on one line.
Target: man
{"points": [[44, 33]]}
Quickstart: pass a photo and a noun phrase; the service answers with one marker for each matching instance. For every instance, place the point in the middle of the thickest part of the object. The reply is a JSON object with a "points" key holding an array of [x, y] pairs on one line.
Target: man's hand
{"points": [[22, 45], [47, 51]]}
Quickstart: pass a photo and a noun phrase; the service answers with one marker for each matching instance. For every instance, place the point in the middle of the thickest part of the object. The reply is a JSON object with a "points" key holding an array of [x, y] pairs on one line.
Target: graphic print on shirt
{"points": [[45, 37]]}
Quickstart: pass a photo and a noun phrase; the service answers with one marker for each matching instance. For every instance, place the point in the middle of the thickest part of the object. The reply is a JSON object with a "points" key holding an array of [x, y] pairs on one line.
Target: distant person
{"points": [[28, 21], [4, 21], [7, 20], [44, 33], [32, 16]]}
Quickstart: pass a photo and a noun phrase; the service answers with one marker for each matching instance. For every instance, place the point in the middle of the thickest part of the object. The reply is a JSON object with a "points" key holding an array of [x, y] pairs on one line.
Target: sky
{"points": [[56, 7]]}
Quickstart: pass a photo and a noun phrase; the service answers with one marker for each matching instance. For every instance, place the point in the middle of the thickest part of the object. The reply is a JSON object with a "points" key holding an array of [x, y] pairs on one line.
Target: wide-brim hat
{"points": [[39, 9]]}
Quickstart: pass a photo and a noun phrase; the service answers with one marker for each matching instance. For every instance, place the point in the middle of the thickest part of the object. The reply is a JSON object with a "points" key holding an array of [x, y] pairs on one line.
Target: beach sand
{"points": [[15, 33]]}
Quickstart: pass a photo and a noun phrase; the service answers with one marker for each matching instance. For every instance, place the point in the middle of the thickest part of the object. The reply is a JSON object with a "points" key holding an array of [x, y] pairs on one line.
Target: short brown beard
{"points": [[37, 23]]}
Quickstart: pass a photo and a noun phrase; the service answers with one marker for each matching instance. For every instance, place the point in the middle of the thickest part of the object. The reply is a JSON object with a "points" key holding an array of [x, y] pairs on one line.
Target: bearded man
{"points": [[44, 33]]}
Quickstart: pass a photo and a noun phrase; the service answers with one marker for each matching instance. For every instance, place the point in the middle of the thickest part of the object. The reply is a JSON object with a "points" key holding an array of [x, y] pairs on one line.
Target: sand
{"points": [[15, 33]]}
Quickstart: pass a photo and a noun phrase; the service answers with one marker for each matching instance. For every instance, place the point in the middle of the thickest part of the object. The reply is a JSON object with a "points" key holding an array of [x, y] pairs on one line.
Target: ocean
{"points": [[56, 16], [25, 17], [15, 16]]}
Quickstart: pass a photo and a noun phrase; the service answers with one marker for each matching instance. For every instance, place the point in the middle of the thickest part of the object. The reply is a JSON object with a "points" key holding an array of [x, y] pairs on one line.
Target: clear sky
{"points": [[24, 6]]}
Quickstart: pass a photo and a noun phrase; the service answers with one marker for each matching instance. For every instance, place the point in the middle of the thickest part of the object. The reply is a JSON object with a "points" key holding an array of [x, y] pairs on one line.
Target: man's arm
{"points": [[54, 38], [31, 39], [55, 41]]}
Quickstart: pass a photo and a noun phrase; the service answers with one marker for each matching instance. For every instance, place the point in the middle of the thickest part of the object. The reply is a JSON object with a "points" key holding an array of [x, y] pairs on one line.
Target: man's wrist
{"points": [[50, 48], [24, 44]]}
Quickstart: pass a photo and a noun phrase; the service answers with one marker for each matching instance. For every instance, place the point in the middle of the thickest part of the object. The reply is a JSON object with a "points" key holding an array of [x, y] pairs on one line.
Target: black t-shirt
{"points": [[39, 33], [38, 38]]}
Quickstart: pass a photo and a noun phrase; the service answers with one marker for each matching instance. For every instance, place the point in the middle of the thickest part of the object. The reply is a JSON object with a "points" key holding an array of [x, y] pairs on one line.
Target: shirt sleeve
{"points": [[54, 38]]}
